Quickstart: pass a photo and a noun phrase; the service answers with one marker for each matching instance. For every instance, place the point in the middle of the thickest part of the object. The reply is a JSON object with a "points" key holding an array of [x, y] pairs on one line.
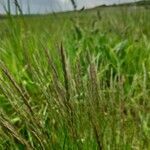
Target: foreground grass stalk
{"points": [[25, 97], [65, 71], [13, 131]]}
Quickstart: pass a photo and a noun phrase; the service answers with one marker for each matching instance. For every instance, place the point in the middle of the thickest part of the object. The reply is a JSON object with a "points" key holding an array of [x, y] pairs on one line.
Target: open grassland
{"points": [[78, 80]]}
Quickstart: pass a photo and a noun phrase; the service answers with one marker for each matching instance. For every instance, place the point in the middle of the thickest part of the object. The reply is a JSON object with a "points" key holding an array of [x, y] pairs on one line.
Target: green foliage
{"points": [[77, 80]]}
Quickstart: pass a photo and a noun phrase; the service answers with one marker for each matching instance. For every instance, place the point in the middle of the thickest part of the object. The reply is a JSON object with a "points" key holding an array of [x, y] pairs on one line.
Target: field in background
{"points": [[77, 80]]}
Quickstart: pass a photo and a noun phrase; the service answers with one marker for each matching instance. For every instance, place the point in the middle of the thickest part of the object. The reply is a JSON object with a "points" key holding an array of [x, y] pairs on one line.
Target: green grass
{"points": [[77, 80]]}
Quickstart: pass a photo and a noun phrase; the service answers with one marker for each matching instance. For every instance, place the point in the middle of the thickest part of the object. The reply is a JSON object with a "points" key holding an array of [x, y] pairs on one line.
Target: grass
{"points": [[77, 80]]}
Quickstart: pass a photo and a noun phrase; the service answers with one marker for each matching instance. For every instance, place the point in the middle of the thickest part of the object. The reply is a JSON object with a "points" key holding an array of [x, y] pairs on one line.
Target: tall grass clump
{"points": [[76, 82]]}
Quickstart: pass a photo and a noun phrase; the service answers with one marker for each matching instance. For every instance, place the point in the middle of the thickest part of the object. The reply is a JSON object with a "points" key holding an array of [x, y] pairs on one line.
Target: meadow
{"points": [[76, 81]]}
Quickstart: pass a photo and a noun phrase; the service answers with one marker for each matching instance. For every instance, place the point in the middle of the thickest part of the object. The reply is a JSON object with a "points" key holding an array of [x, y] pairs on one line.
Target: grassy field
{"points": [[76, 81]]}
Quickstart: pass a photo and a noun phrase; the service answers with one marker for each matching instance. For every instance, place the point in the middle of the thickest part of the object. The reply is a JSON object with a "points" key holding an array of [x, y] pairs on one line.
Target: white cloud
{"points": [[63, 1], [42, 6]]}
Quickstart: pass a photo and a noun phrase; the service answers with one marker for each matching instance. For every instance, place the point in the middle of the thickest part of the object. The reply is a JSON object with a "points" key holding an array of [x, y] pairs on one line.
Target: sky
{"points": [[46, 6]]}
